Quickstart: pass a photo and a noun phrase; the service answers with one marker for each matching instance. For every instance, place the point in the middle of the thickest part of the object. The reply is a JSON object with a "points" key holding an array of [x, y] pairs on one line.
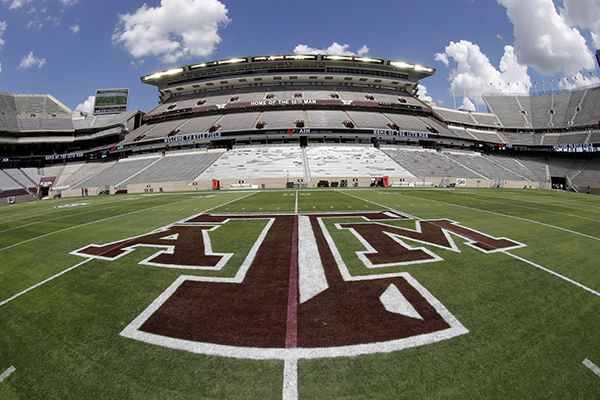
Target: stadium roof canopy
{"points": [[288, 69]]}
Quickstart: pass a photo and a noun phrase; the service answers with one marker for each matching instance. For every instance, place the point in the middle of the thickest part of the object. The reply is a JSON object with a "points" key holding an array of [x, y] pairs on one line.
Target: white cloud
{"points": [[363, 51], [544, 40], [87, 106], [443, 58], [30, 60], [585, 14], [3, 26], [176, 29], [467, 104], [334, 49], [53, 20], [34, 25], [16, 3], [20, 3], [474, 75], [423, 93], [67, 3], [74, 28]]}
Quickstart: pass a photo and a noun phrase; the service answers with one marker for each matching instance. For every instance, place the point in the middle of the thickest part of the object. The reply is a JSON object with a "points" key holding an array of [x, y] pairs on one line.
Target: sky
{"points": [[70, 48]]}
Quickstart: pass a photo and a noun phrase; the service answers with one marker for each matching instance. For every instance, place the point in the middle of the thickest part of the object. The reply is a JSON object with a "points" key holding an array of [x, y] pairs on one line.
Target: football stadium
{"points": [[299, 227]]}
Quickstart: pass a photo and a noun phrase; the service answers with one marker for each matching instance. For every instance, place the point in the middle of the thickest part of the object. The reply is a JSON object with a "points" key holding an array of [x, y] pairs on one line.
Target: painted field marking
{"points": [[517, 257], [83, 262], [296, 207], [595, 369], [540, 209], [512, 216], [108, 219], [54, 219], [291, 335], [555, 201], [42, 282], [79, 226], [7, 373], [554, 273], [379, 205], [290, 379]]}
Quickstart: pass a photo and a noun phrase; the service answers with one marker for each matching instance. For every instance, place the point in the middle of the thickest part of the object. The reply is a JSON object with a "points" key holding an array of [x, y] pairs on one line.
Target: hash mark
{"points": [[595, 369], [7, 373]]}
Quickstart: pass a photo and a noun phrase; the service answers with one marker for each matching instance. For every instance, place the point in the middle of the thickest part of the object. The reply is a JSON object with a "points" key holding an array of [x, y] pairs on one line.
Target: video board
{"points": [[111, 101]]}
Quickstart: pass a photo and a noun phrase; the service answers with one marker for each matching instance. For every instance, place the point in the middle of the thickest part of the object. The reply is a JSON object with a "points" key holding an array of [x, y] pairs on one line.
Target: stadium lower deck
{"points": [[278, 166]]}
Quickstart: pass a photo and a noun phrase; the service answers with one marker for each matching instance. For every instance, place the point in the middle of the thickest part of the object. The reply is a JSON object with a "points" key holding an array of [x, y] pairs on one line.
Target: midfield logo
{"points": [[293, 296]]}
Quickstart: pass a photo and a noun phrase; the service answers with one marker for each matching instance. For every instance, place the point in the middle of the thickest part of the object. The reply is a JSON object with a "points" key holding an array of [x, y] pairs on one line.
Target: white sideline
{"points": [[7, 373], [595, 369]]}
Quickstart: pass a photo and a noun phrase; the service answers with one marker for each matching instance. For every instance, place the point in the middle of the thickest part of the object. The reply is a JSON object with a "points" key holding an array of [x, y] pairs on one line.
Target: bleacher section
{"points": [[17, 182], [427, 163], [509, 111], [256, 162], [117, 173], [556, 110], [352, 161], [588, 175], [183, 166]]}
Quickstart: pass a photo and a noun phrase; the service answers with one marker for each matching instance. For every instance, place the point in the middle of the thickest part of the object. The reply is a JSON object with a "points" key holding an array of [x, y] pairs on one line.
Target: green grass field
{"points": [[533, 313]]}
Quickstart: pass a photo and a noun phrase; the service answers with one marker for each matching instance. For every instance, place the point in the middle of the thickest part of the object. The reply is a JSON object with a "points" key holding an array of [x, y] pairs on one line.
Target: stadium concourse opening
{"points": [[294, 120]]}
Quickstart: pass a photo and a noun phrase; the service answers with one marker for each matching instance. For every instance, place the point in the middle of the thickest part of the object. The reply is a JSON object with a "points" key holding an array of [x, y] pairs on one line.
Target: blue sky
{"points": [[70, 48]]}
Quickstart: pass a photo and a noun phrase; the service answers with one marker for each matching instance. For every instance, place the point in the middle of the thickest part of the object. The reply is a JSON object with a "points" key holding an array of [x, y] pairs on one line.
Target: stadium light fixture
{"points": [[232, 61], [343, 58], [401, 64], [422, 68], [158, 75], [300, 57], [203, 65], [366, 59]]}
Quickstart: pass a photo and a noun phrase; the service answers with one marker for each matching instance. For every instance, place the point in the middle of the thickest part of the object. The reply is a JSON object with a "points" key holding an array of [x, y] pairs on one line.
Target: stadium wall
{"points": [[280, 183]]}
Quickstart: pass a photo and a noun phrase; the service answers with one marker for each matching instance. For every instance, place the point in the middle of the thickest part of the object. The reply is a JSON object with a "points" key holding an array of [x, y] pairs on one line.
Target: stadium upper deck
{"points": [[282, 69]]}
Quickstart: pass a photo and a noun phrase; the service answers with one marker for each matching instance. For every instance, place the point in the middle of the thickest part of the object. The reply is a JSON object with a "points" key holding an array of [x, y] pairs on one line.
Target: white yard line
{"points": [[290, 379], [7, 373], [517, 257], [296, 206], [509, 216], [379, 205], [595, 369], [88, 259], [42, 282], [106, 219], [61, 217], [540, 209], [554, 273]]}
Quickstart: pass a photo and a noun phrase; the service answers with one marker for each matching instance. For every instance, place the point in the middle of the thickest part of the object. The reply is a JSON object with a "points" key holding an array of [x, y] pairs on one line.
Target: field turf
{"points": [[532, 313]]}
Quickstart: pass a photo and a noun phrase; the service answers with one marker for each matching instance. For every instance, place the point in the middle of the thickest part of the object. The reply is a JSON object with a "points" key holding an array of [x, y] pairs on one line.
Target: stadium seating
{"points": [[117, 172], [180, 166], [351, 161], [256, 162]]}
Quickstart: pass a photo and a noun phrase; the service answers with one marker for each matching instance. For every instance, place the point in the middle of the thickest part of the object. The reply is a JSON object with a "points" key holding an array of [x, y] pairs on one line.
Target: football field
{"points": [[302, 294]]}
